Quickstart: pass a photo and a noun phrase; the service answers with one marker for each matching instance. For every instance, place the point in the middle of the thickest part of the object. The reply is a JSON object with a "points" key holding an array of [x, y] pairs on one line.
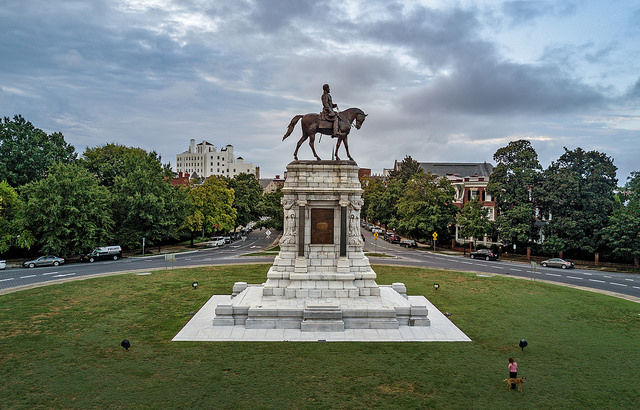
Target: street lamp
{"points": [[436, 286]]}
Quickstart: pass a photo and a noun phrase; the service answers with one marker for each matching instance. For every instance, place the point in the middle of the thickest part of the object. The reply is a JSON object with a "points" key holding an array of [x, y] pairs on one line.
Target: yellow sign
{"points": [[435, 236], [375, 236]]}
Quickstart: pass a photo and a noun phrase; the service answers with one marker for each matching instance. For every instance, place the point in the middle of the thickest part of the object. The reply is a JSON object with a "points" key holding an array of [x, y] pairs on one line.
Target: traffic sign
{"points": [[435, 236], [375, 236]]}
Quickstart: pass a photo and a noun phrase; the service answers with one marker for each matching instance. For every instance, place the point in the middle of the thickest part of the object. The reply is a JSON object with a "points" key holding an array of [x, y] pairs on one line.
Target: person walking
{"points": [[513, 371]]}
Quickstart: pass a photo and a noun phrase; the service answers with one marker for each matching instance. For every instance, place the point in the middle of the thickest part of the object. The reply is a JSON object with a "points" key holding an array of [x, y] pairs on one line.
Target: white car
{"points": [[3, 264], [217, 241]]}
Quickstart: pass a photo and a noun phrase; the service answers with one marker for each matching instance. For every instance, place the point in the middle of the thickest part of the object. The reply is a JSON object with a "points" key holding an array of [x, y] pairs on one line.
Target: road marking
{"points": [[517, 270], [630, 280], [468, 263], [66, 274], [49, 273], [607, 276], [596, 280], [552, 274], [587, 273], [618, 284], [635, 287], [4, 280], [499, 267], [573, 277], [27, 276]]}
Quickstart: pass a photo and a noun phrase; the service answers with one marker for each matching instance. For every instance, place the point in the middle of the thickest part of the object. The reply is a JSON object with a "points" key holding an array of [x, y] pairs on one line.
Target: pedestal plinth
{"points": [[321, 281]]}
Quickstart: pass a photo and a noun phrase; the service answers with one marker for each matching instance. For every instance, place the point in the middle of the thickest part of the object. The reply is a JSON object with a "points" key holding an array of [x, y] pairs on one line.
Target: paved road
{"points": [[228, 254], [620, 283]]}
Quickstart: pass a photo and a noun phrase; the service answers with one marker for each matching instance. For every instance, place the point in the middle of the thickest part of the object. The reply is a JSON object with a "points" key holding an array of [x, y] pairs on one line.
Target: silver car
{"points": [[49, 260], [557, 263]]}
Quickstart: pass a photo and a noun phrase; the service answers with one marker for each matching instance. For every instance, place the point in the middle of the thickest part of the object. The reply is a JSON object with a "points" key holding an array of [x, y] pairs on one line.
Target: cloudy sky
{"points": [[441, 80]]}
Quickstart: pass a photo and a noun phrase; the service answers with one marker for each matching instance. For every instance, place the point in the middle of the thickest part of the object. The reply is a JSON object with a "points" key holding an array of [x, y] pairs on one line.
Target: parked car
{"points": [[227, 239], [3, 264], [485, 254], [49, 260], [103, 253], [557, 263], [394, 238], [217, 241], [377, 230], [408, 243]]}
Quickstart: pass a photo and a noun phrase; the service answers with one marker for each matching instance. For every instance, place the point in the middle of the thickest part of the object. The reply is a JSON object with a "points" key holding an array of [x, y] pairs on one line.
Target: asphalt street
{"points": [[17, 278], [626, 285]]}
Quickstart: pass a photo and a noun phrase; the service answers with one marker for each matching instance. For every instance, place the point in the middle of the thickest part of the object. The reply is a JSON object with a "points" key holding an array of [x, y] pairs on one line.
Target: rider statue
{"points": [[327, 110]]}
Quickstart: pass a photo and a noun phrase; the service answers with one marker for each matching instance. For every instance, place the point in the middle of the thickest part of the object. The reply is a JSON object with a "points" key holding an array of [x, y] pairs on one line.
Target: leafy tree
{"points": [[112, 160], [473, 220], [67, 212], [247, 195], [271, 207], [406, 170], [577, 191], [511, 184], [12, 232], [622, 234], [26, 152], [382, 205], [211, 207], [426, 206], [145, 204]]}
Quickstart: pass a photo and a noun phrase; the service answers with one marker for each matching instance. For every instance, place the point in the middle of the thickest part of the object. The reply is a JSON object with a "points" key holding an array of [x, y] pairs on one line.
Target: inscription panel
{"points": [[322, 226]]}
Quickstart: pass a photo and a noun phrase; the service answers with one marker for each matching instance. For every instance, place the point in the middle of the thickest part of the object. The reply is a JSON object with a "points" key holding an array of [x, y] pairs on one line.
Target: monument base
{"points": [[321, 283], [320, 324], [252, 309]]}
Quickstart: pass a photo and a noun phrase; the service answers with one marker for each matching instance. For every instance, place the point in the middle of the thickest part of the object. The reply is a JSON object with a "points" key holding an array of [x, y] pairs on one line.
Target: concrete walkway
{"points": [[200, 329]]}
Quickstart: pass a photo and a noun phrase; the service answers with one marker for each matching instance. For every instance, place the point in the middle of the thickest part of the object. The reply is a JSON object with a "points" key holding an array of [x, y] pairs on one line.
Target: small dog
{"points": [[517, 380]]}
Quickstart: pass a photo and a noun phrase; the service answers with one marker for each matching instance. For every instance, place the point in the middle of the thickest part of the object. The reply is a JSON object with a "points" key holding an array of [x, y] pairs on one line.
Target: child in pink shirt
{"points": [[513, 370]]}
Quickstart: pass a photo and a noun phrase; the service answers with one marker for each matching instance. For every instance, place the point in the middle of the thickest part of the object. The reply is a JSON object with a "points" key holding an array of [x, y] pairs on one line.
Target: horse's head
{"points": [[360, 119]]}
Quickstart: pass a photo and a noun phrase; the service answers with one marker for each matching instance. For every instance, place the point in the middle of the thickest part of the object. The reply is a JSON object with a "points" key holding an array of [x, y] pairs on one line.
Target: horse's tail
{"points": [[292, 124]]}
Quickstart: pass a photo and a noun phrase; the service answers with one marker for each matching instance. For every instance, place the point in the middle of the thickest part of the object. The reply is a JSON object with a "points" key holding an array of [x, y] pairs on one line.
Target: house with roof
{"points": [[470, 181]]}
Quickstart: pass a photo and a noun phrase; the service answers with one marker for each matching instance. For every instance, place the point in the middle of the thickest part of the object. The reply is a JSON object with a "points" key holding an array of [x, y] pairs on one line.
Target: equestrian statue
{"points": [[328, 122]]}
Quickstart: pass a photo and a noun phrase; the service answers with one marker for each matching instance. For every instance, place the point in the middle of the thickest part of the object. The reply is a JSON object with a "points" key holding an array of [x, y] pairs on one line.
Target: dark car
{"points": [[394, 239], [557, 263], [485, 254], [409, 243], [103, 253], [49, 260]]}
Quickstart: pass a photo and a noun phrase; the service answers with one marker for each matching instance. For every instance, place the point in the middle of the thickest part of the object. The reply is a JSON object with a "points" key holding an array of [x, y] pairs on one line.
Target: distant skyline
{"points": [[442, 81]]}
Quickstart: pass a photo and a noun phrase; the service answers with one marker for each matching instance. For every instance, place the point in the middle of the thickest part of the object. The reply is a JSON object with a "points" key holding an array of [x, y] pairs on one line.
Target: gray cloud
{"points": [[437, 86]]}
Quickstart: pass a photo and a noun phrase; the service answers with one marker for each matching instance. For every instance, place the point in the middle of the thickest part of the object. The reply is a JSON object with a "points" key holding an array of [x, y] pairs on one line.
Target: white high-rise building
{"points": [[204, 160]]}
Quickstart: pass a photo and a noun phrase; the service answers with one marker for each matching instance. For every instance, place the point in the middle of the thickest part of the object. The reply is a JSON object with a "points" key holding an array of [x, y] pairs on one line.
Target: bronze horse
{"points": [[311, 124]]}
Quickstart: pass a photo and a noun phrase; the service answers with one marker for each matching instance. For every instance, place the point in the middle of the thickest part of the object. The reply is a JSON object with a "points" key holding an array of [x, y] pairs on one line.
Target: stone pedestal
{"points": [[321, 280]]}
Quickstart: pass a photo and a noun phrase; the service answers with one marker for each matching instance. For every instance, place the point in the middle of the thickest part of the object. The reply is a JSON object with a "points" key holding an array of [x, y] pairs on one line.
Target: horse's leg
{"points": [[312, 138], [300, 141], [338, 146], [346, 147]]}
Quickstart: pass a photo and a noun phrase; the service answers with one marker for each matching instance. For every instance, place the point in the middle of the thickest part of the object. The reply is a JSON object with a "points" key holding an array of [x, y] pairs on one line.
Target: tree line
{"points": [[53, 201], [573, 207]]}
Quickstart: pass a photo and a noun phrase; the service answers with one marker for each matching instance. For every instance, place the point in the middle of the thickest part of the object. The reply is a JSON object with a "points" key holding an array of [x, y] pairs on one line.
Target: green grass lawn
{"points": [[60, 348]]}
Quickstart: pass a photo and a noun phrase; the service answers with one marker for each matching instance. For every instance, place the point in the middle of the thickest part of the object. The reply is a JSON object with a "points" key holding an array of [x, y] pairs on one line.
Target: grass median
{"points": [[60, 348]]}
